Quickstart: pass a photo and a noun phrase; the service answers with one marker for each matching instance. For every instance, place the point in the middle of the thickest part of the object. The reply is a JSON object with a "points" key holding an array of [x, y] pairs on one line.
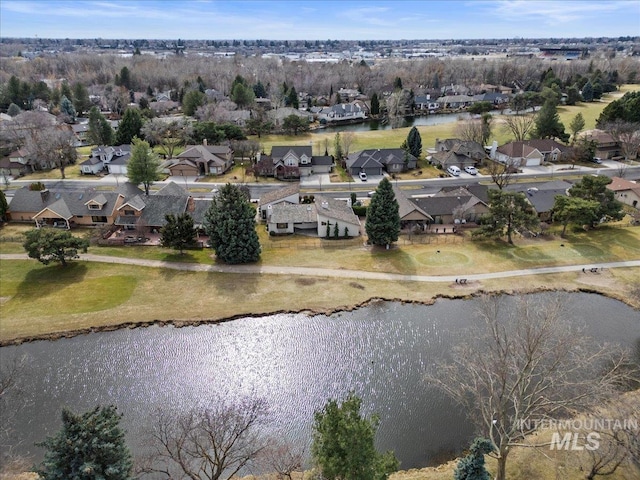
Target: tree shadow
{"points": [[177, 257], [401, 261], [48, 280], [234, 283]]}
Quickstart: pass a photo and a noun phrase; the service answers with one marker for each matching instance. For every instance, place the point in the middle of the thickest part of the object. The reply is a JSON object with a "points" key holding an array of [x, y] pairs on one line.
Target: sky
{"points": [[318, 20]]}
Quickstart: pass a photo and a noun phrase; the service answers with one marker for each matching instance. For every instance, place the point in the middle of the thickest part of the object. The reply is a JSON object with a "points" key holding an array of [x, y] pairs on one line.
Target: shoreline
{"points": [[311, 312]]}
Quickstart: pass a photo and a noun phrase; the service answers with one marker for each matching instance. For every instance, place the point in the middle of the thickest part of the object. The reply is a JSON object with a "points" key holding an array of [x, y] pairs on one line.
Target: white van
{"points": [[453, 170]]}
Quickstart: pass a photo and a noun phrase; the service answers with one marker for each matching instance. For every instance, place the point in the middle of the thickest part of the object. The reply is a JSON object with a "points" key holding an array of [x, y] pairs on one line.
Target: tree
{"points": [[343, 443], [50, 245], [292, 98], [258, 126], [501, 173], [294, 124], [89, 446], [81, 101], [576, 126], [471, 467], [509, 212], [67, 109], [574, 210], [214, 443], [347, 140], [242, 95], [383, 217], [375, 105], [525, 365], [573, 96], [548, 124], [13, 110], [337, 148], [587, 92], [144, 165], [100, 131], [4, 206], [519, 126], [231, 226], [626, 109], [168, 135], [594, 188], [129, 126], [480, 108], [178, 232], [627, 134], [414, 142], [469, 130], [53, 146], [191, 101]]}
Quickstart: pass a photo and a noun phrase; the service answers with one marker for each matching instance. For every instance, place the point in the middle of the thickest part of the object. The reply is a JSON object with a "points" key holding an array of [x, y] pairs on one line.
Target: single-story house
{"points": [[202, 160], [289, 195], [393, 160], [425, 103], [411, 215], [91, 166], [625, 191], [341, 112], [16, 164], [542, 195], [530, 153], [455, 101], [461, 153], [361, 162], [451, 206]]}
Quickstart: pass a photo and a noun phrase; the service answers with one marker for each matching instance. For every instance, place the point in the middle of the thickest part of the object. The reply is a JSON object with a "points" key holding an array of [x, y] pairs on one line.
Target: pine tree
{"points": [[587, 92], [81, 100], [375, 104], [337, 147], [89, 446], [292, 98], [129, 126], [576, 125], [67, 108], [100, 131], [231, 226], [178, 232], [548, 124], [4, 206], [336, 230], [144, 165], [509, 212], [471, 467], [383, 218], [414, 142]]}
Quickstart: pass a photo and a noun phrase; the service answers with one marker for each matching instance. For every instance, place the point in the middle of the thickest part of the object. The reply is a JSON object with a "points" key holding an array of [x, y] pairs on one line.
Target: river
{"points": [[294, 361]]}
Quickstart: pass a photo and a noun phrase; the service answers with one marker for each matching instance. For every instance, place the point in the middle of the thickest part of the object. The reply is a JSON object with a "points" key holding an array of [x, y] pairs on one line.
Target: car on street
{"points": [[471, 170], [596, 160], [363, 176]]}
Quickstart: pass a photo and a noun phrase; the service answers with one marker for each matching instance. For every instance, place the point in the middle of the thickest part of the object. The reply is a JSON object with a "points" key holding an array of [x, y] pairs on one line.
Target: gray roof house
{"points": [[542, 195], [359, 162]]}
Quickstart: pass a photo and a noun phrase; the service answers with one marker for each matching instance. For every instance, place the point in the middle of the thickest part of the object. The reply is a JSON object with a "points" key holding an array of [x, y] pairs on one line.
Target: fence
{"points": [[359, 242]]}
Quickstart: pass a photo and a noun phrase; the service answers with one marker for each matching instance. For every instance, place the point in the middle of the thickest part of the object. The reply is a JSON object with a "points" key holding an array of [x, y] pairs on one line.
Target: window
{"points": [[129, 212], [98, 219], [95, 206], [281, 225]]}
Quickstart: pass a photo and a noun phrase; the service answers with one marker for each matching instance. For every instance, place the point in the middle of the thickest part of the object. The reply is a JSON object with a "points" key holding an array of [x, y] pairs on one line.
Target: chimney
{"points": [[204, 142], [44, 195], [191, 205], [494, 147]]}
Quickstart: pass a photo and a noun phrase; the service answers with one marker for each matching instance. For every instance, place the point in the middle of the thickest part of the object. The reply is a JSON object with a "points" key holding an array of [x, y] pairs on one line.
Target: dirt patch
{"points": [[356, 285], [305, 281], [4, 300]]}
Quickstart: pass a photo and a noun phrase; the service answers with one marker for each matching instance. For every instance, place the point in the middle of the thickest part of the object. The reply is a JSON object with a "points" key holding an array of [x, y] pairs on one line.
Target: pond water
{"points": [[295, 362], [400, 122]]}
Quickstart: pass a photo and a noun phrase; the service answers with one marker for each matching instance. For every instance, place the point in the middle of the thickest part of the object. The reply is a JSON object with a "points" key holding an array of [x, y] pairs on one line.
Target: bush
{"points": [[360, 210]]}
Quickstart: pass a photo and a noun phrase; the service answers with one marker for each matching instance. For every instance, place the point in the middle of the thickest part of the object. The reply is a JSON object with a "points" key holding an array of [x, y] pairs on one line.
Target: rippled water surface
{"points": [[295, 362]]}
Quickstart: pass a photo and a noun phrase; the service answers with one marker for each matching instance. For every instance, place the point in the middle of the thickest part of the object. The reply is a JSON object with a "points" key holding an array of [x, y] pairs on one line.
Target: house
{"points": [[461, 153], [455, 102], [411, 215], [64, 209], [278, 115], [530, 152], [393, 160], [16, 164], [202, 160], [606, 146], [80, 132], [625, 191], [453, 206], [495, 98], [91, 166], [292, 162], [315, 218], [112, 158], [424, 103], [341, 112], [289, 195], [542, 195]]}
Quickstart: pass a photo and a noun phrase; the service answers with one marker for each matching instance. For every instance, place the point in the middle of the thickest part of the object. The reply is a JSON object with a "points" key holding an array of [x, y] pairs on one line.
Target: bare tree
{"points": [[347, 140], [524, 365], [168, 135], [283, 458], [469, 130], [628, 135], [519, 125], [52, 147], [213, 443], [501, 173]]}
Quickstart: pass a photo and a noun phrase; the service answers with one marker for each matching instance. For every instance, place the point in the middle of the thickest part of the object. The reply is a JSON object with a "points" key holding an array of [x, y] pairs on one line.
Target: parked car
{"points": [[471, 170], [453, 170], [596, 160], [363, 176], [370, 194]]}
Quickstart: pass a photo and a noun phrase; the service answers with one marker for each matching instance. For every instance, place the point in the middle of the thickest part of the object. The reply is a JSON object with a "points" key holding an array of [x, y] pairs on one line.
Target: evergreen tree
{"points": [[471, 467], [259, 91], [383, 217], [587, 92], [53, 245], [375, 104], [548, 124], [124, 78], [575, 210], [65, 91], [4, 206], [336, 230], [292, 98], [231, 226], [242, 95], [509, 212], [337, 147], [13, 110], [343, 443], [573, 95], [576, 125], [67, 109], [144, 165], [129, 126], [81, 101], [414, 142], [178, 232], [90, 446], [595, 189], [100, 131], [626, 109], [397, 84], [191, 101]]}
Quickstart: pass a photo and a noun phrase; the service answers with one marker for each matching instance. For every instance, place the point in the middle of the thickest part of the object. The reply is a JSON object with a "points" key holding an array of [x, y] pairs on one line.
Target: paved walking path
{"points": [[338, 273]]}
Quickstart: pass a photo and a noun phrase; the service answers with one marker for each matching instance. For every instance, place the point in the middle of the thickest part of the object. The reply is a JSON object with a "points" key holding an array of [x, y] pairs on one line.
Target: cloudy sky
{"points": [[318, 20]]}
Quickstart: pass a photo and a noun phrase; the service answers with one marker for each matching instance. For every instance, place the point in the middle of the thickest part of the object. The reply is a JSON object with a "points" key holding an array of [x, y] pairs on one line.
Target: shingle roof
{"points": [[321, 160], [172, 188], [277, 152], [620, 184], [406, 206], [274, 195], [293, 213], [200, 209], [66, 204], [336, 209], [157, 206]]}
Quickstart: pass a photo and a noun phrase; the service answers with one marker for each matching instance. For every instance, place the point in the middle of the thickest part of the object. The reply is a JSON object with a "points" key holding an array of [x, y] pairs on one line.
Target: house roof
{"points": [[516, 149], [542, 195], [279, 194], [293, 213], [406, 206], [336, 209], [620, 184], [200, 207], [63, 203], [321, 160], [441, 205], [449, 157], [172, 188], [157, 206], [204, 153], [381, 156], [92, 161], [278, 152]]}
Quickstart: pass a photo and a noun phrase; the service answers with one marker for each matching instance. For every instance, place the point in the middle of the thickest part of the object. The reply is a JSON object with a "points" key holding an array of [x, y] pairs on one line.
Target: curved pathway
{"points": [[338, 273]]}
